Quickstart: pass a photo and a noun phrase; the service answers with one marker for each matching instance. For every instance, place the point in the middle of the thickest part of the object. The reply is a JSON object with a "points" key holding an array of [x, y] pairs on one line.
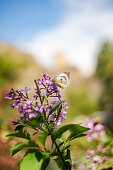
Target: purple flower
{"points": [[90, 154], [98, 127], [105, 158], [29, 102], [73, 165], [40, 81], [101, 149], [97, 159], [33, 114], [46, 76], [92, 166], [46, 96], [25, 90], [81, 167], [102, 133], [95, 132]]}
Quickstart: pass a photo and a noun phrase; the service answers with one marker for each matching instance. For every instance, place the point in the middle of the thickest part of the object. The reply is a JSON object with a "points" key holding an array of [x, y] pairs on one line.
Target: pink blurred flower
{"points": [[101, 149], [92, 166], [97, 159], [105, 158], [89, 154], [81, 167]]}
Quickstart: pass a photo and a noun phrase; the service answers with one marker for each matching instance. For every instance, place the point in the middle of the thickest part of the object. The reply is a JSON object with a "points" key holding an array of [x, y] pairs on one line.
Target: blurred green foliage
{"points": [[9, 68], [9, 72], [104, 72], [80, 103]]}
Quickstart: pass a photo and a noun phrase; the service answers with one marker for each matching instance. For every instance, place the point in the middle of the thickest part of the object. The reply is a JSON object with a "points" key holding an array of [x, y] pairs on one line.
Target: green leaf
{"points": [[67, 158], [34, 160], [55, 107], [59, 163], [61, 144], [60, 108], [45, 163], [21, 145], [66, 147], [78, 130], [35, 121], [19, 127], [45, 127], [20, 134], [42, 137], [42, 100], [35, 133], [58, 133]]}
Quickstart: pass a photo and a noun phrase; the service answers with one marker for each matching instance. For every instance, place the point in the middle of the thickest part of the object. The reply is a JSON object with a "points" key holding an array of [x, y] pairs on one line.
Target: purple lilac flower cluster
{"points": [[93, 161], [94, 158], [46, 96], [96, 130]]}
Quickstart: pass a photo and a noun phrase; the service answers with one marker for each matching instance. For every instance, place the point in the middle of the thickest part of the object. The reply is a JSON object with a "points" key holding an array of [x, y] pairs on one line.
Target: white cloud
{"points": [[77, 36]]}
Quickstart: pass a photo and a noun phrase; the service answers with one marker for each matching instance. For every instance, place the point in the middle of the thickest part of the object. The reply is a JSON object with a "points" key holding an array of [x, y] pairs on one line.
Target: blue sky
{"points": [[21, 19], [44, 28]]}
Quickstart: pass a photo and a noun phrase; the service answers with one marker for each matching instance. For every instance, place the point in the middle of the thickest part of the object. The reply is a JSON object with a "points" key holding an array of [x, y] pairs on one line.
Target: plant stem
{"points": [[38, 90], [60, 154]]}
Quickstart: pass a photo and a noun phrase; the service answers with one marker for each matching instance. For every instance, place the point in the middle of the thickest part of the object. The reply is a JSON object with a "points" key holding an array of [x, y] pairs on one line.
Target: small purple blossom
{"points": [[97, 159], [40, 81], [81, 167], [92, 166], [105, 158], [25, 90], [101, 149], [90, 154], [96, 130]]}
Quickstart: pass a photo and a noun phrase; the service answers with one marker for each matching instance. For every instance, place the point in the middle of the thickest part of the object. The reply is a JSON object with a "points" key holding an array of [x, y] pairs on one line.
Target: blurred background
{"points": [[57, 36]]}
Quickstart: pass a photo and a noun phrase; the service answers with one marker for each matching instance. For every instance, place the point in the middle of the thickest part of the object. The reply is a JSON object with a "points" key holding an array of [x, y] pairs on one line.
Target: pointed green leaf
{"points": [[60, 108], [59, 163], [45, 163], [42, 137], [55, 107], [21, 145], [35, 121], [20, 134], [34, 160], [76, 127], [76, 132], [19, 127]]}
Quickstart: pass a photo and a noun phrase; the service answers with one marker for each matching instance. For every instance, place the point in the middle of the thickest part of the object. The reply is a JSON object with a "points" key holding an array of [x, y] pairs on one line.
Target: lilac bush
{"points": [[43, 113]]}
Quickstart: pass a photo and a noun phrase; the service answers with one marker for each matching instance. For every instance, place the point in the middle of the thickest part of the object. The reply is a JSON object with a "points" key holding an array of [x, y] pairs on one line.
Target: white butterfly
{"points": [[62, 80]]}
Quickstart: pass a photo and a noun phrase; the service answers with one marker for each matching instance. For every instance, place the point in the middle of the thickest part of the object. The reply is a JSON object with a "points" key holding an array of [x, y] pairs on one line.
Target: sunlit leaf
{"points": [[34, 160], [55, 107], [75, 132], [21, 145], [42, 137], [20, 134]]}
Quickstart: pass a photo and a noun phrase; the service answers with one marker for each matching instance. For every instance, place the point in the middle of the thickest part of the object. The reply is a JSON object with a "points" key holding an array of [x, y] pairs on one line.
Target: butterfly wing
{"points": [[62, 80]]}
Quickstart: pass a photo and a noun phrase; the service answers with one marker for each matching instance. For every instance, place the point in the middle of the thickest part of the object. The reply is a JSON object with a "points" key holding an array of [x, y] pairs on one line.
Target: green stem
{"points": [[60, 154]]}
